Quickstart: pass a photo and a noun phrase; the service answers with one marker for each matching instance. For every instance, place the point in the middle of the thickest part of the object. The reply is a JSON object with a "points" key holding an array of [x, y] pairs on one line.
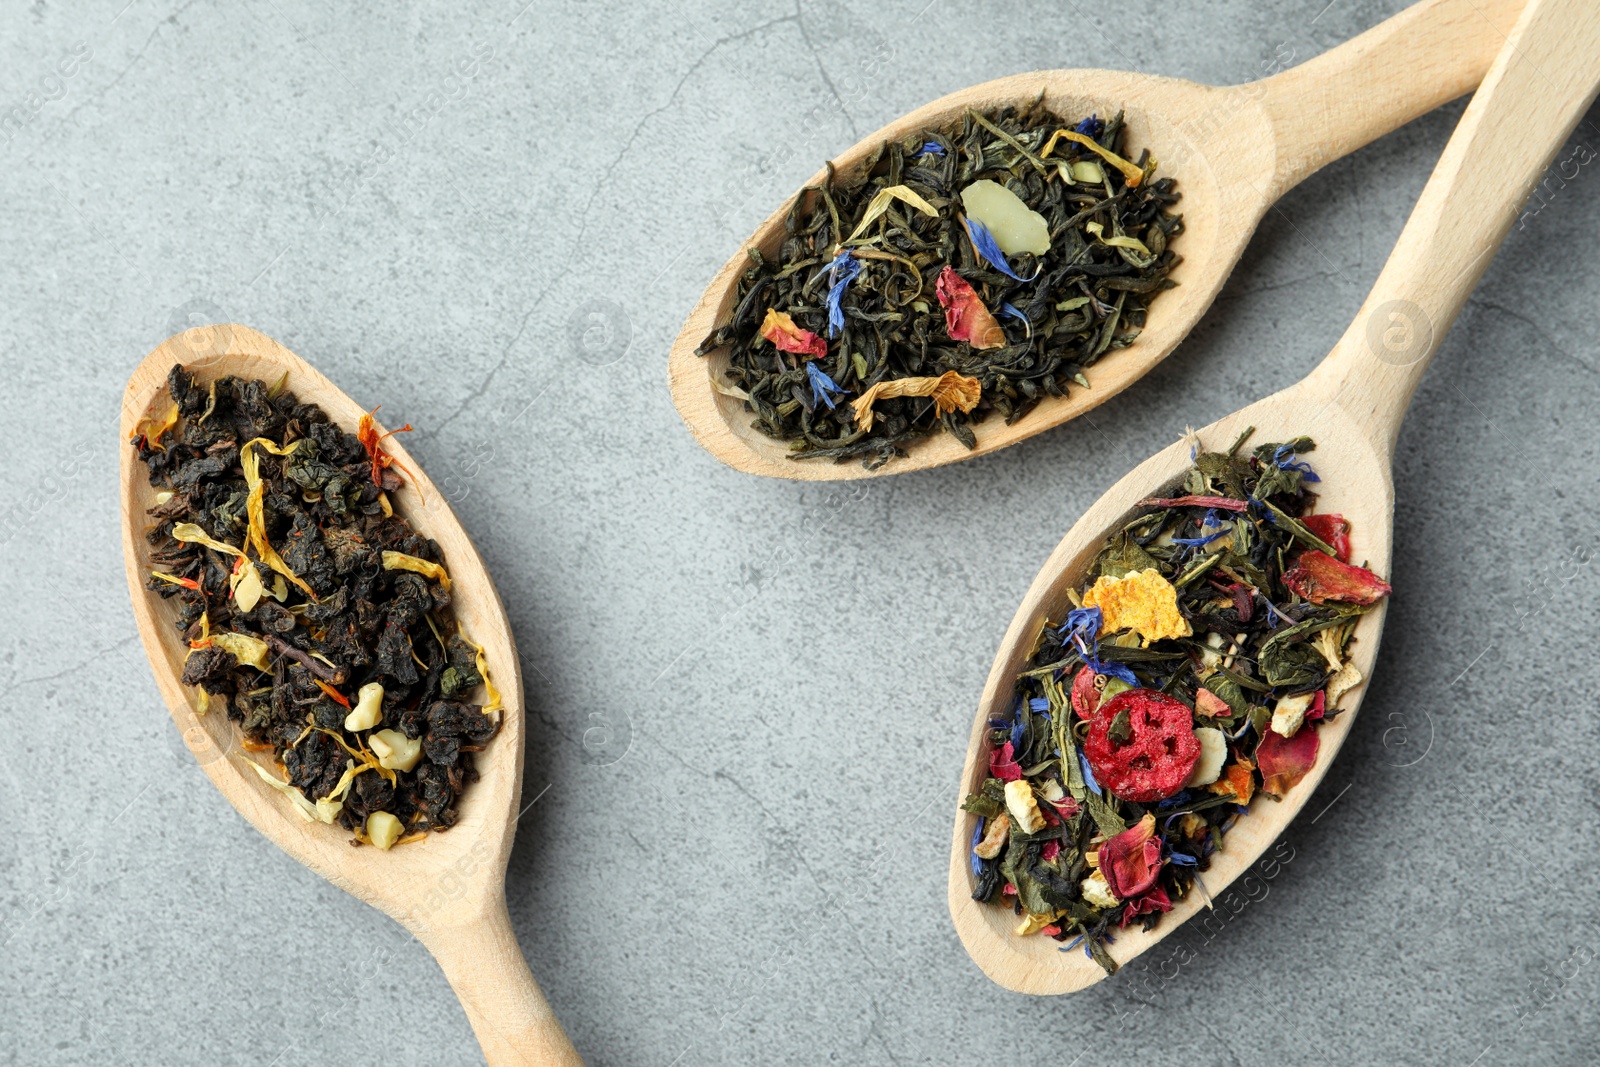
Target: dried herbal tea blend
{"points": [[1204, 653], [312, 611], [963, 274]]}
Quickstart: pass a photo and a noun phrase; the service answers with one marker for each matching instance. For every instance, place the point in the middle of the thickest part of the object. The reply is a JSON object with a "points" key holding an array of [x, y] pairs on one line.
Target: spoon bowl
{"points": [[448, 888], [1355, 483], [1234, 151], [1352, 404]]}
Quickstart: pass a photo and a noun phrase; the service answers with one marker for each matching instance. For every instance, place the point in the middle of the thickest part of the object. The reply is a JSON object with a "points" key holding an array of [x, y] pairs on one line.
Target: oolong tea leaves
{"points": [[314, 613], [956, 276], [1193, 673]]}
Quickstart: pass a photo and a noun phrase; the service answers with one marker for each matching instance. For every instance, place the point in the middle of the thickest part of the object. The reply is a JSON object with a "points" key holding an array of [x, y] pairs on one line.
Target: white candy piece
{"points": [[1097, 892], [1023, 807], [1015, 226], [383, 829], [368, 711], [1290, 713], [395, 751], [1213, 753]]}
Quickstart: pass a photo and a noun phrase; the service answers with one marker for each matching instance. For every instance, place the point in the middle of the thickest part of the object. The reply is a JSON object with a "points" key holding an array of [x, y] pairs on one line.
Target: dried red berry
{"points": [[1159, 755]]}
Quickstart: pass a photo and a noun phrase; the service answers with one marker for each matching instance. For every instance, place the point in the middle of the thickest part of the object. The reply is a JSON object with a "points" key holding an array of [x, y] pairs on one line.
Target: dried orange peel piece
{"points": [[1144, 602]]}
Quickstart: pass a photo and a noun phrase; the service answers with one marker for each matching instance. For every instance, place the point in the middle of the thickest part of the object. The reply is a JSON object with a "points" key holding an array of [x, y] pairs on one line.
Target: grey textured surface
{"points": [[752, 869]]}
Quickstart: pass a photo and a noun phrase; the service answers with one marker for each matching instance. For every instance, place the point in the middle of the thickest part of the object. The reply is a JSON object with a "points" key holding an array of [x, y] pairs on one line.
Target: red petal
{"points": [[1222, 503], [1318, 706], [787, 337], [1131, 860], [1334, 529], [1051, 849], [1209, 704], [1003, 765], [965, 317], [1283, 761], [1318, 577], [1155, 899]]}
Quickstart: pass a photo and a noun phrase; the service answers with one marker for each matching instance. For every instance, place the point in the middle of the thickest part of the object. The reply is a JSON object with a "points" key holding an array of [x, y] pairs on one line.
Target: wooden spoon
{"points": [[448, 889], [1234, 152], [1352, 404]]}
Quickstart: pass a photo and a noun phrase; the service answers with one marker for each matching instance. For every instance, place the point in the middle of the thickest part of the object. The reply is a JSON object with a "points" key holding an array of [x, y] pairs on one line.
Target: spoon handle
{"points": [[1541, 84], [514, 1024], [1329, 106]]}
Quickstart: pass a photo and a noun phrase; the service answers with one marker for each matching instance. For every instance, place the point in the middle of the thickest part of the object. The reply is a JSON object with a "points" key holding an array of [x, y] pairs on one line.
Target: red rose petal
{"points": [[1209, 704], [1131, 860], [1334, 529], [1003, 764], [1318, 706], [1283, 761], [787, 337], [1318, 577], [1154, 899], [965, 317], [1050, 850]]}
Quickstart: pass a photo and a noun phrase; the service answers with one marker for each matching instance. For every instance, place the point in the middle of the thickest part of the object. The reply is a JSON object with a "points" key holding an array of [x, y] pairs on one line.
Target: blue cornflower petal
{"points": [[977, 861], [984, 243], [1182, 859], [1090, 127], [841, 272], [1070, 945], [929, 148], [1081, 621], [1016, 735], [1088, 775], [1284, 460], [1007, 309], [1206, 540], [1180, 797], [1039, 704], [1113, 668], [822, 385]]}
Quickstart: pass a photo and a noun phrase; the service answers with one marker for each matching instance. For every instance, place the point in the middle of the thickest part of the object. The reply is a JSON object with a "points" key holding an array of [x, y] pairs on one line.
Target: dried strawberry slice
{"points": [[1158, 754]]}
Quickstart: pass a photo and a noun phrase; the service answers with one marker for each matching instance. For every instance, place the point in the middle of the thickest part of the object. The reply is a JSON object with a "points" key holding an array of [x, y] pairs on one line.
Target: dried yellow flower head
{"points": [[1143, 602]]}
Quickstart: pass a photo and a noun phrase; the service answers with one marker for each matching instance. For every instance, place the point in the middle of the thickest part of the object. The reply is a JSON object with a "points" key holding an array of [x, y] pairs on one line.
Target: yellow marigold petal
{"points": [[1143, 602], [950, 392], [399, 561]]}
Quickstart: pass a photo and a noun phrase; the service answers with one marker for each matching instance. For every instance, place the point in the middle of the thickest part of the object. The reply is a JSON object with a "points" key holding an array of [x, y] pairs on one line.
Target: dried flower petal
{"points": [[1334, 529], [1131, 171], [371, 440], [1003, 764], [152, 429], [950, 391], [780, 329], [1144, 602], [1285, 760], [1318, 577], [880, 203], [399, 561], [965, 316], [1153, 899], [1131, 860]]}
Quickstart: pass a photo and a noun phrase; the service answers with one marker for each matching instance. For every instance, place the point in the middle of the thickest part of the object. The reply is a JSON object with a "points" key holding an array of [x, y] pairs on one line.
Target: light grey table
{"points": [[461, 212]]}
